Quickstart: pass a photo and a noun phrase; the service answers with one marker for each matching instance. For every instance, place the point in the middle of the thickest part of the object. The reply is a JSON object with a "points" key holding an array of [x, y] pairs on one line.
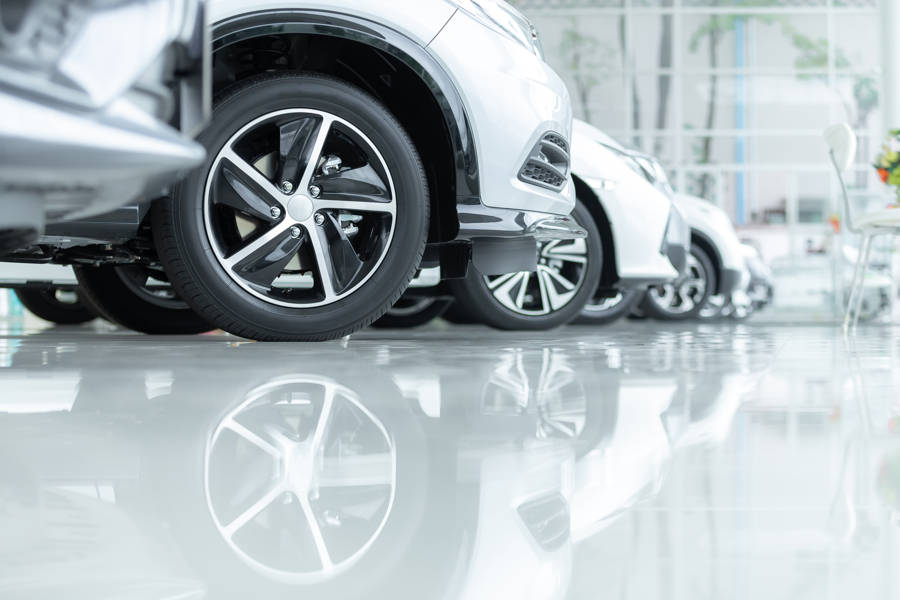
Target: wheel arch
{"points": [[703, 241], [610, 275], [385, 63]]}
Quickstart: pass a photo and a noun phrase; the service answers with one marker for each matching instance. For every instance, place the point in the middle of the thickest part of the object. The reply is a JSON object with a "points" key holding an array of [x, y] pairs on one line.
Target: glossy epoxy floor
{"points": [[642, 461]]}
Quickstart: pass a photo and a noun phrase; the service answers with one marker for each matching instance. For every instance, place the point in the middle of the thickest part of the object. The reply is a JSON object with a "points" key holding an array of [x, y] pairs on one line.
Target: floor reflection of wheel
{"points": [[686, 297], [63, 307], [601, 310], [314, 484], [309, 218], [138, 298], [300, 479], [567, 274], [412, 312]]}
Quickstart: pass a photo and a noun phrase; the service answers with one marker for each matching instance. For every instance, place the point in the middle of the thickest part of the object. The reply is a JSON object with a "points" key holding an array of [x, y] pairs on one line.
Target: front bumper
{"points": [[677, 243], [515, 104], [505, 241]]}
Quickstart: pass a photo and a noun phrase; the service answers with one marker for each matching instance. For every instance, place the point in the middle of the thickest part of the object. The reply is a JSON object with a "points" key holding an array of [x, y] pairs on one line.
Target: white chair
{"points": [[842, 147]]}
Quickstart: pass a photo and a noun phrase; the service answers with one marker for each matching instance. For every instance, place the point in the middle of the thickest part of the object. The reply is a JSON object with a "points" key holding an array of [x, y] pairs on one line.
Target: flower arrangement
{"points": [[888, 162]]}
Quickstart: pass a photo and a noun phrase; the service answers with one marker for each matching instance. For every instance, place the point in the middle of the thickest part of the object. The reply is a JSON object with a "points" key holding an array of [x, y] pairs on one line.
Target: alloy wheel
{"points": [[299, 208], [561, 270]]}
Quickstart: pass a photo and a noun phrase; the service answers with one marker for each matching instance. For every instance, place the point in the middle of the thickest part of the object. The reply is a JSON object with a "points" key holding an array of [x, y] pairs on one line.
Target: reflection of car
{"points": [[716, 266], [348, 139], [88, 125], [636, 238], [471, 472], [321, 483]]}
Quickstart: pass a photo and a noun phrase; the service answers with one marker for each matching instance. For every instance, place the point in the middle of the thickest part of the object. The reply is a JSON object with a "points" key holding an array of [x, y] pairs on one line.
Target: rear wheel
{"points": [[138, 298], [685, 297], [567, 274], [63, 307], [413, 312], [307, 221]]}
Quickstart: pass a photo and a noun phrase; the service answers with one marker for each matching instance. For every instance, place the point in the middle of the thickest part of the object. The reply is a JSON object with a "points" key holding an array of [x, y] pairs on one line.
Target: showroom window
{"points": [[733, 95]]}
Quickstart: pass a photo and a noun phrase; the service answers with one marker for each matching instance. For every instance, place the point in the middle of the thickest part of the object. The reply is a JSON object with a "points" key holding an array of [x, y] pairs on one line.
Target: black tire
{"points": [[596, 313], [474, 296], [413, 312], [653, 303], [189, 256], [46, 304], [105, 288]]}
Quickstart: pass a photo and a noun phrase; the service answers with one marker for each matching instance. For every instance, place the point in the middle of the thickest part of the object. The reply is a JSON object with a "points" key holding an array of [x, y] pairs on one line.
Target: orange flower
{"points": [[883, 173]]}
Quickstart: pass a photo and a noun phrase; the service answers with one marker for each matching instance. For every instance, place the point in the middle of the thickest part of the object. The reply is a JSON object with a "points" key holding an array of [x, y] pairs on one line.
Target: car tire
{"points": [[355, 264], [413, 312], [47, 304], [536, 306], [686, 297], [117, 295], [603, 311]]}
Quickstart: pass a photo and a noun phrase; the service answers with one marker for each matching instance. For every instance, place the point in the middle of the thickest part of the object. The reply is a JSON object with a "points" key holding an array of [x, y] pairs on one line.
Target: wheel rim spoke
{"points": [[265, 264], [251, 437], [314, 152], [337, 262], [241, 186], [257, 244], [356, 206], [495, 282], [361, 188], [575, 251], [316, 531], [296, 142], [251, 512]]}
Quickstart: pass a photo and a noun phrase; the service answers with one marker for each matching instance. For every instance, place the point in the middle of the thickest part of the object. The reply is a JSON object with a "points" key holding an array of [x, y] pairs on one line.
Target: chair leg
{"points": [[854, 285], [867, 252]]}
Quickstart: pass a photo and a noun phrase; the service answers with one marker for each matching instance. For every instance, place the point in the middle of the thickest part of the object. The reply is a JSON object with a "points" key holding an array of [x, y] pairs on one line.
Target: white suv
{"points": [[352, 141]]}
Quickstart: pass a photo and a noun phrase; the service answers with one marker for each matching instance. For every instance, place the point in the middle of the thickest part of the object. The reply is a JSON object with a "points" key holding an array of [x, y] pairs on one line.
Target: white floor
{"points": [[641, 461]]}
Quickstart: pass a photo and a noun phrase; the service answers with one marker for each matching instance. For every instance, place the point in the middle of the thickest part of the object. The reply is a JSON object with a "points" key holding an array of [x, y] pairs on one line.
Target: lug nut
{"points": [[319, 218], [315, 191], [275, 212], [287, 187], [295, 232]]}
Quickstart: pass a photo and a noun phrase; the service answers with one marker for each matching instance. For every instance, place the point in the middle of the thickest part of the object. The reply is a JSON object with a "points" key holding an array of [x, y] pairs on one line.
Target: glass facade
{"points": [[733, 95]]}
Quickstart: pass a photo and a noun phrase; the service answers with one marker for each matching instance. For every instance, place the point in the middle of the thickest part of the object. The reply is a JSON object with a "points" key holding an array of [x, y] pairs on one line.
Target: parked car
{"points": [[715, 266], [88, 127], [351, 143], [636, 238]]}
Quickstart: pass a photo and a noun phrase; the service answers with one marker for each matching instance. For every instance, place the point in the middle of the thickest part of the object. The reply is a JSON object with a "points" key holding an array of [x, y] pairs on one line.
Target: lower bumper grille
{"points": [[548, 163]]}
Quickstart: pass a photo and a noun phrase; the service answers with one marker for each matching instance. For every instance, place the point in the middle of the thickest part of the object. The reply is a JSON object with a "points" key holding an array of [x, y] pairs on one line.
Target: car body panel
{"points": [[418, 20], [512, 98], [638, 211], [712, 222], [483, 65]]}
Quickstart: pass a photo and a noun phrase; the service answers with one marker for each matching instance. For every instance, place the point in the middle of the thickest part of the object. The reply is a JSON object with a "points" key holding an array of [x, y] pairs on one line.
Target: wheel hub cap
{"points": [[300, 208]]}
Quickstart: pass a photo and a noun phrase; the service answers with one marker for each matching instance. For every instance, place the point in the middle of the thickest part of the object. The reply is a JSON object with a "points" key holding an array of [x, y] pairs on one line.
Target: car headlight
{"points": [[503, 18]]}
